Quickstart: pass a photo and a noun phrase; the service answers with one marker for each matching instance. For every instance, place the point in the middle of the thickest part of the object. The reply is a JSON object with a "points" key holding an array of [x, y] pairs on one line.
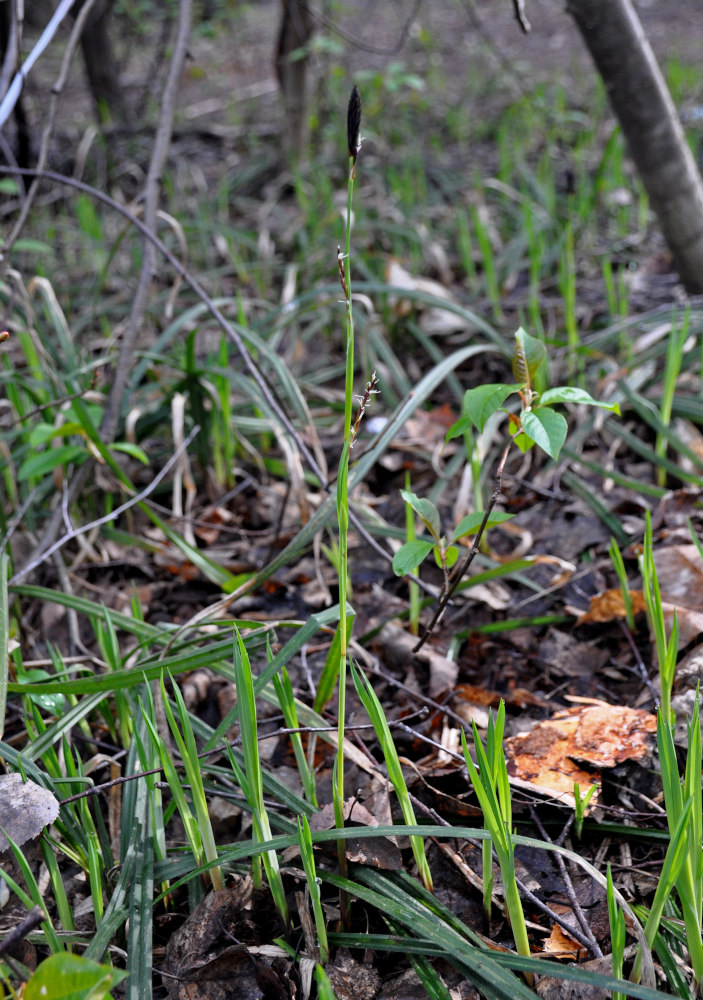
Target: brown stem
{"points": [[32, 920], [473, 552]]}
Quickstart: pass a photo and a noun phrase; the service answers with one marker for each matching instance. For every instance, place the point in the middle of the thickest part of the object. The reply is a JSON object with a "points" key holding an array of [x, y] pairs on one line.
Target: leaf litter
{"points": [[224, 947]]}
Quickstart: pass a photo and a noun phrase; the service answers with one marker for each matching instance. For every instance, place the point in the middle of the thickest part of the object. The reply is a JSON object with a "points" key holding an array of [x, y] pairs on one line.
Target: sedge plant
{"points": [[342, 496], [196, 823], [617, 934], [369, 699], [666, 646], [308, 858], [492, 787], [250, 778]]}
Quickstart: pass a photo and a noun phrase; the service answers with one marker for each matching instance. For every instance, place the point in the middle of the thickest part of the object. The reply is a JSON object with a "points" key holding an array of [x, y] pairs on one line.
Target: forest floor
{"points": [[492, 179]]}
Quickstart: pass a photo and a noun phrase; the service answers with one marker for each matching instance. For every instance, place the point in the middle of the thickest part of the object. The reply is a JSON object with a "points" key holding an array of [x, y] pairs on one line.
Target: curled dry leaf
{"points": [[609, 605], [25, 809], [575, 745], [680, 574]]}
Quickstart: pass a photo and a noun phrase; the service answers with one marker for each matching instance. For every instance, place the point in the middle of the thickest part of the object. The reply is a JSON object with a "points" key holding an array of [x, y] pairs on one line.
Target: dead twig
{"points": [[456, 578], [25, 927], [56, 90]]}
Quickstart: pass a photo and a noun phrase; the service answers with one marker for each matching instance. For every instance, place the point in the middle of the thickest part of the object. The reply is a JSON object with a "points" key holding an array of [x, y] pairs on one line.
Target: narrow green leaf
{"points": [[572, 394], [37, 466]]}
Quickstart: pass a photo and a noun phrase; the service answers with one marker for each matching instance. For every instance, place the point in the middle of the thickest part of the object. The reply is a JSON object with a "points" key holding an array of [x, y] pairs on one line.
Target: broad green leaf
{"points": [[425, 510], [47, 461], [470, 524], [450, 556], [64, 976], [478, 405], [528, 355], [572, 394], [41, 433], [547, 428], [409, 556]]}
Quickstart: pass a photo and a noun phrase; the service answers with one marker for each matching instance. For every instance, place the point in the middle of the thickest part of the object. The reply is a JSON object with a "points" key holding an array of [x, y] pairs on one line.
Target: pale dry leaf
{"points": [[25, 809], [680, 575]]}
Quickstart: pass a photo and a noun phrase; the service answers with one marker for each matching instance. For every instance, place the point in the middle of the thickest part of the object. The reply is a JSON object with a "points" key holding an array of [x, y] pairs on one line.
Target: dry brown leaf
{"points": [[609, 605], [680, 575], [559, 944], [550, 758]]}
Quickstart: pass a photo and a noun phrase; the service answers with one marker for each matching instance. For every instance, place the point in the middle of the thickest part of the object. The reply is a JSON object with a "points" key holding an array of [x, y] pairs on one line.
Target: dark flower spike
{"points": [[354, 124]]}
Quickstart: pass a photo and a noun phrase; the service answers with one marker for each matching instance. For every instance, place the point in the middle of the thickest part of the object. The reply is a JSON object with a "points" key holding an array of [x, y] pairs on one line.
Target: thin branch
{"points": [[25, 927], [459, 574], [15, 89], [56, 90]]}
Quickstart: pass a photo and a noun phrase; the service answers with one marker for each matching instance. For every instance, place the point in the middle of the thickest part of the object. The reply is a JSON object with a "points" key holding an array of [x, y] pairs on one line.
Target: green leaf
{"points": [[470, 524], [451, 556], [131, 449], [572, 394], [547, 428], [70, 977], [425, 510], [41, 433], [528, 355], [478, 405], [409, 556], [39, 465]]}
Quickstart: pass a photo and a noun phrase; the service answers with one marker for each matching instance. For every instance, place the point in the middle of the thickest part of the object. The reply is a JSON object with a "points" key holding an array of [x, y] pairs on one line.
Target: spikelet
{"points": [[354, 124]]}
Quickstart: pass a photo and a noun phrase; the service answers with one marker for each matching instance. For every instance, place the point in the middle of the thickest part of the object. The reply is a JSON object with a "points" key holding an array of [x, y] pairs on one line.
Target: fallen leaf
{"points": [[609, 605], [25, 809], [680, 575], [559, 944], [575, 745]]}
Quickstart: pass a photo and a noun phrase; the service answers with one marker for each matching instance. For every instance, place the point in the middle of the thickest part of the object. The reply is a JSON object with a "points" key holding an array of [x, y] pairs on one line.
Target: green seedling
{"points": [[197, 825], [580, 806], [682, 871], [250, 778], [63, 975], [667, 647], [535, 423], [617, 934], [619, 567], [491, 785], [286, 699], [308, 857], [369, 700]]}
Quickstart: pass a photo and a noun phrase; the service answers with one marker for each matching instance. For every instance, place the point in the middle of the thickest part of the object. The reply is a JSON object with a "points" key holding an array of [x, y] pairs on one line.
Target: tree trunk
{"points": [[101, 65], [295, 32], [640, 98]]}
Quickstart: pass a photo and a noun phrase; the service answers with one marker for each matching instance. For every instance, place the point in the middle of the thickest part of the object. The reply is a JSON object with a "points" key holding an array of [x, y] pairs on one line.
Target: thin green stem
{"points": [[344, 262]]}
